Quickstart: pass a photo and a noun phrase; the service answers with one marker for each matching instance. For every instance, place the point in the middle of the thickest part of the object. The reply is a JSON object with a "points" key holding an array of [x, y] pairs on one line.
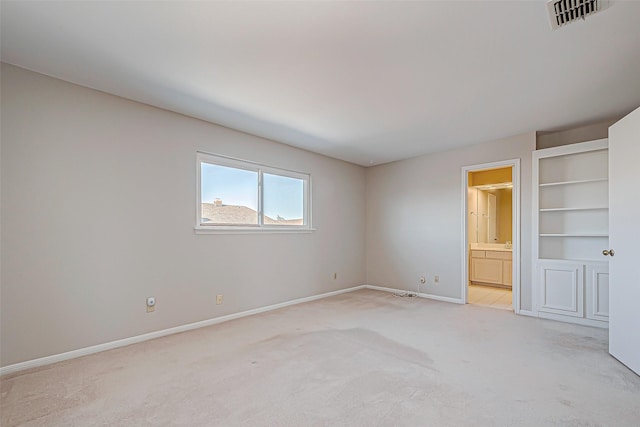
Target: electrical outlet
{"points": [[423, 279], [436, 279], [219, 299], [151, 304]]}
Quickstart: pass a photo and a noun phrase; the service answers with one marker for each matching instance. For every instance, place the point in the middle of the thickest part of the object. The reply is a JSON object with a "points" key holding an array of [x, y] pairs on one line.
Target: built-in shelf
{"points": [[579, 181], [570, 225], [581, 260], [574, 235], [588, 208]]}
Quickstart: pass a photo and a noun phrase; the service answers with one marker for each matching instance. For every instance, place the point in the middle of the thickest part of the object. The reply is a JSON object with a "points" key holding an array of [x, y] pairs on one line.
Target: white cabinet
{"points": [[491, 267], [598, 291], [562, 288], [570, 225], [486, 270], [576, 289], [507, 273]]}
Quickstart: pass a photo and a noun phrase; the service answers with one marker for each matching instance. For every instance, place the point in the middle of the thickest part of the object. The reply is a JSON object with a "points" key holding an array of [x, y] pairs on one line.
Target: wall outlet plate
{"points": [[151, 304], [219, 299]]}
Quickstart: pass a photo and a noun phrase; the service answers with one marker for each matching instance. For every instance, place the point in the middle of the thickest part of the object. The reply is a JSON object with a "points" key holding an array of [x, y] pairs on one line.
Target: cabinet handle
{"points": [[608, 252]]}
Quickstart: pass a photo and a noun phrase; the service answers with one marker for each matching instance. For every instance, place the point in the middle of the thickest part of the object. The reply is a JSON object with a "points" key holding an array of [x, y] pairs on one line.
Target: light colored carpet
{"points": [[365, 358]]}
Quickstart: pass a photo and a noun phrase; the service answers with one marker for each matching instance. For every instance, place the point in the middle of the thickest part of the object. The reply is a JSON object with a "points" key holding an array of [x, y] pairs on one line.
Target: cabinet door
{"points": [[561, 287], [507, 272], [486, 270], [598, 291]]}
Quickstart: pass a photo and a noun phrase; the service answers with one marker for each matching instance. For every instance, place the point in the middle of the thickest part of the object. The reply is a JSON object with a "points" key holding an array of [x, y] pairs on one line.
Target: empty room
{"points": [[319, 213]]}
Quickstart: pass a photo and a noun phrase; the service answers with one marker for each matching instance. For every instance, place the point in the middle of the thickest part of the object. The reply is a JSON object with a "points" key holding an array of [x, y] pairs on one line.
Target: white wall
{"points": [[98, 210], [472, 214], [414, 217], [590, 132]]}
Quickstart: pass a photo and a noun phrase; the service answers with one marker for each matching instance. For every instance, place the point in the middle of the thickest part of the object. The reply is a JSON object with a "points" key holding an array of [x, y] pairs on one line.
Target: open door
{"points": [[624, 235]]}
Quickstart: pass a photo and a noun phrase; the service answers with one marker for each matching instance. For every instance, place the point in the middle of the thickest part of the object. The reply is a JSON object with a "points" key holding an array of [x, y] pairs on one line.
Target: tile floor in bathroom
{"points": [[490, 296]]}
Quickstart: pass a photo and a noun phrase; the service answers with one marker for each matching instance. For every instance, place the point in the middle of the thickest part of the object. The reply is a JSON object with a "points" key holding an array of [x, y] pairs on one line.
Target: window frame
{"points": [[260, 169]]}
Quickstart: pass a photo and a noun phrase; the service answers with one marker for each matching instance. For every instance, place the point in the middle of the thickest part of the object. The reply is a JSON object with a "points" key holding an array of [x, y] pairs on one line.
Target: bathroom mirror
{"points": [[490, 213]]}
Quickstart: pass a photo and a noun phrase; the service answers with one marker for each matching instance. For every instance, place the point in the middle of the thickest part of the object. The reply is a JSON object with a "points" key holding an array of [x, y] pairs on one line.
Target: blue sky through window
{"points": [[283, 196], [231, 185]]}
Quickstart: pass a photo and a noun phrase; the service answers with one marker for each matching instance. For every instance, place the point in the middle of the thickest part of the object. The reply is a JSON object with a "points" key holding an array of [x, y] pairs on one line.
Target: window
{"points": [[236, 195]]}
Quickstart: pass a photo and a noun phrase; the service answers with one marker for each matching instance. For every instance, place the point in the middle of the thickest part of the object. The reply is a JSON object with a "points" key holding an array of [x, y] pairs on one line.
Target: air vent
{"points": [[562, 12]]}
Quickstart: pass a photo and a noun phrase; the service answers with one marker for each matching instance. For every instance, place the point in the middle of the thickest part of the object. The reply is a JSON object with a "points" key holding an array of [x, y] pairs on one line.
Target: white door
{"points": [[624, 232]]}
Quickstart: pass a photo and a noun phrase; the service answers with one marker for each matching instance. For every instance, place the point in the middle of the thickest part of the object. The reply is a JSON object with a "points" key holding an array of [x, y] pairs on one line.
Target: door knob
{"points": [[608, 252]]}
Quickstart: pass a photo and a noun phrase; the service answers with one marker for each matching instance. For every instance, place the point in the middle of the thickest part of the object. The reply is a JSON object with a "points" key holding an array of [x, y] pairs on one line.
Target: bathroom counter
{"points": [[498, 248], [493, 249]]}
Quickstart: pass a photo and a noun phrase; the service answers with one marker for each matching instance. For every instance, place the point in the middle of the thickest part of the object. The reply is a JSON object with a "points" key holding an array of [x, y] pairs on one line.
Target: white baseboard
{"points": [[419, 294], [575, 320], [528, 313], [144, 337], [382, 288], [439, 298]]}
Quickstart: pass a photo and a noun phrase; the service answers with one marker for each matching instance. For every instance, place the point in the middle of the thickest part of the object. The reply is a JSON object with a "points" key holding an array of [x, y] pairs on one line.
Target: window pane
{"points": [[283, 200], [229, 195]]}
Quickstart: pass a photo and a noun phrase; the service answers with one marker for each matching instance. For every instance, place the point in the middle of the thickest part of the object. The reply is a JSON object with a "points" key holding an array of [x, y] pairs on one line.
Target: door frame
{"points": [[516, 241]]}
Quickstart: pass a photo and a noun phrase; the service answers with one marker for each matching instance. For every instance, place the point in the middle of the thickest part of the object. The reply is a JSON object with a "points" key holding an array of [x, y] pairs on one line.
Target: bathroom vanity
{"points": [[491, 265]]}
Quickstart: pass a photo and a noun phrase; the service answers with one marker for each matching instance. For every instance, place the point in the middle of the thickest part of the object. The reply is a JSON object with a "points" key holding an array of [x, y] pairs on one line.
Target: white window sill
{"points": [[251, 230]]}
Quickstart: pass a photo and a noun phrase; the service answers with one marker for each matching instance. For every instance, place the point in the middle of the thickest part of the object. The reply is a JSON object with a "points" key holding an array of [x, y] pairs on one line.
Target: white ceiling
{"points": [[366, 82]]}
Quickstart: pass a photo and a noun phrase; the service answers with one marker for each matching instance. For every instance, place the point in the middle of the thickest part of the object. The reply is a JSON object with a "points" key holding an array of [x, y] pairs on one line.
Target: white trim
{"points": [[563, 150], [577, 181], [528, 313], [47, 360], [418, 294], [384, 289], [571, 319], [516, 224], [251, 230], [585, 208], [535, 239], [236, 162], [42, 361], [573, 235], [260, 170], [580, 147], [440, 298]]}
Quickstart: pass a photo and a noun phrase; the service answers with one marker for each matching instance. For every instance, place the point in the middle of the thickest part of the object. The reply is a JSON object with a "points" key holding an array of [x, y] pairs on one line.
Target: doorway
{"points": [[491, 234]]}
